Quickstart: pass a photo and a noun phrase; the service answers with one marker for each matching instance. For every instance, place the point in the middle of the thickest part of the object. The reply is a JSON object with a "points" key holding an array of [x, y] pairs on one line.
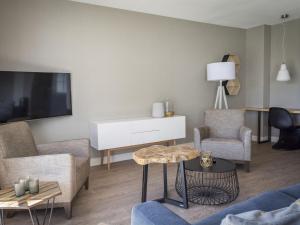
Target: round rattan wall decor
{"points": [[232, 87]]}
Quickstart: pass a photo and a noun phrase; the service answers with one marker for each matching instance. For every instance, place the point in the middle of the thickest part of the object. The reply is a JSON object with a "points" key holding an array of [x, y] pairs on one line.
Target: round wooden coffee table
{"points": [[212, 186], [164, 155]]}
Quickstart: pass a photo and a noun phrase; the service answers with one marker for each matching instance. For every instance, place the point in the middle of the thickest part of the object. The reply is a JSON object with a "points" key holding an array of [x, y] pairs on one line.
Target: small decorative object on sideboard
{"points": [[158, 110], [206, 159], [169, 110]]}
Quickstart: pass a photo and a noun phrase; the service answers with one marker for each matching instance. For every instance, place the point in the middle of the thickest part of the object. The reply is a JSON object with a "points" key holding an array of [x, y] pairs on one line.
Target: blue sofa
{"points": [[154, 213]]}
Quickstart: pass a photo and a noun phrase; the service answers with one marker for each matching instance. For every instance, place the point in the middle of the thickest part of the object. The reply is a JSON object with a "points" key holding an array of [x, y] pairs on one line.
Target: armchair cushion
{"points": [[77, 147], [224, 123], [227, 148], [20, 145]]}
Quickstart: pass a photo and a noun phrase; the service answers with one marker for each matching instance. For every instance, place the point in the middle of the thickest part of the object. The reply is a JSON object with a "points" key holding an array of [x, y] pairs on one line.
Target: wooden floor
{"points": [[112, 194]]}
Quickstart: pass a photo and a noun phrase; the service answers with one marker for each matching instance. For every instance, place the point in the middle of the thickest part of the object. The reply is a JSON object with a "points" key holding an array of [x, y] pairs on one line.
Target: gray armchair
{"points": [[67, 162], [225, 135]]}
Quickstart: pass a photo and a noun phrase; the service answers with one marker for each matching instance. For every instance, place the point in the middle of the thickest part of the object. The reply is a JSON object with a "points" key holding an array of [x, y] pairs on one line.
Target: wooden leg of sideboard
{"points": [[108, 159], [101, 157]]}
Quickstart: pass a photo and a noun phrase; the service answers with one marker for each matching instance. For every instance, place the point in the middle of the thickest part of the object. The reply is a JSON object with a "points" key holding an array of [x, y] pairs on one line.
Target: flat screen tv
{"points": [[34, 95]]}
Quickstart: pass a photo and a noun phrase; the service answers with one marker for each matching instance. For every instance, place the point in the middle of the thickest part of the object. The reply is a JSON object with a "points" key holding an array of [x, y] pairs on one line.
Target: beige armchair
{"points": [[67, 162], [225, 135]]}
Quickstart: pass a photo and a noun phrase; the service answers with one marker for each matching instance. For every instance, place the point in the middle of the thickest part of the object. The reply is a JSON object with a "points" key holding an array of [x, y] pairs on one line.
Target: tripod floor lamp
{"points": [[220, 71]]}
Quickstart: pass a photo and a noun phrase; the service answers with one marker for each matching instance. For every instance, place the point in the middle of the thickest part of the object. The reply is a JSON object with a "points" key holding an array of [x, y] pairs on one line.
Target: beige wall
{"points": [[257, 72], [120, 61], [285, 94], [263, 57]]}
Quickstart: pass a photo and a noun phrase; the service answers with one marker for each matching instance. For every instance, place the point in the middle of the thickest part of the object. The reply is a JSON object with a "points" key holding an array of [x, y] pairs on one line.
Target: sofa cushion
{"points": [[285, 216], [16, 140], [226, 148], [266, 202], [224, 123]]}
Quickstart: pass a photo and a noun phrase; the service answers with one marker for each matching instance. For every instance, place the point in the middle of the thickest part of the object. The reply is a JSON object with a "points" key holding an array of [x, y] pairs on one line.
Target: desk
{"points": [[259, 112]]}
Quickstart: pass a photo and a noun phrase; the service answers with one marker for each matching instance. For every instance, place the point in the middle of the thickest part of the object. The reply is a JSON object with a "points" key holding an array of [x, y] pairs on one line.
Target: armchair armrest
{"points": [[154, 213], [246, 138], [78, 147], [56, 167], [199, 134]]}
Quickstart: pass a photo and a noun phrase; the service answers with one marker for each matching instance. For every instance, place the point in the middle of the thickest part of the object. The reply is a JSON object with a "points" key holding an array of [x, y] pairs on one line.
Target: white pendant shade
{"points": [[221, 71], [283, 73]]}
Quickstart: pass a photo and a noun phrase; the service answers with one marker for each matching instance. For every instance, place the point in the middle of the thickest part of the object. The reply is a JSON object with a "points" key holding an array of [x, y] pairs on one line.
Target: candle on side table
{"points": [[25, 181], [34, 186], [19, 189]]}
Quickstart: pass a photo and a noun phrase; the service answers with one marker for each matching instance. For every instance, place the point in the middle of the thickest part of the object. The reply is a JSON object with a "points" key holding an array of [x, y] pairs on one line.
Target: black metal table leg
{"points": [[165, 198], [2, 217], [165, 180], [144, 184], [184, 189]]}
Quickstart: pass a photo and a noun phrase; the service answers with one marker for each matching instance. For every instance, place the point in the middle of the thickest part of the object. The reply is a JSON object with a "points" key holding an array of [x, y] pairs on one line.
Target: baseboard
{"points": [[264, 138], [96, 161]]}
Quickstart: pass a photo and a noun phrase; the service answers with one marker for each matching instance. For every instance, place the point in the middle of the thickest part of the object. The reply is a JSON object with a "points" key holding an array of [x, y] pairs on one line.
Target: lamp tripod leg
{"points": [[220, 98], [224, 96], [217, 97]]}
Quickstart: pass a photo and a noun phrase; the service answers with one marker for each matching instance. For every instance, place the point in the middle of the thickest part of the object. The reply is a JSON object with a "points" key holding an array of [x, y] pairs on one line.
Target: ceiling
{"points": [[233, 13]]}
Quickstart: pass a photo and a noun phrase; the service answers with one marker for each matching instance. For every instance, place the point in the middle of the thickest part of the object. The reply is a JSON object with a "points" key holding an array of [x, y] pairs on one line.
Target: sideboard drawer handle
{"points": [[146, 131]]}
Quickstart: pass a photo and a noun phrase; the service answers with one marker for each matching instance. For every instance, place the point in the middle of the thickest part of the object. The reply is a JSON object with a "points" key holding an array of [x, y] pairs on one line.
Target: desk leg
{"points": [[144, 184], [269, 133], [259, 141], [258, 126]]}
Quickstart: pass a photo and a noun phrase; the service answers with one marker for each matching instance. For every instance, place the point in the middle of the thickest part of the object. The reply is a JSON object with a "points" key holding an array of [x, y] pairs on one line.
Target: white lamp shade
{"points": [[283, 73], [221, 71]]}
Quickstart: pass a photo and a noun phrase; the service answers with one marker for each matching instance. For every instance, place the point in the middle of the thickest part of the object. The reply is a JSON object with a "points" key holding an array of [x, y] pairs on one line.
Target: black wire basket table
{"points": [[209, 186]]}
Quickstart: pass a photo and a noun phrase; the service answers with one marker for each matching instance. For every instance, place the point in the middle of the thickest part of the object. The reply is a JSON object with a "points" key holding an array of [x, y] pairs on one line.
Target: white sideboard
{"points": [[123, 133]]}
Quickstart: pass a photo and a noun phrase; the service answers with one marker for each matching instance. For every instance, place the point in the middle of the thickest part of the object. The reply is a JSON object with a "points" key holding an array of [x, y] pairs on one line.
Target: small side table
{"points": [[48, 192], [164, 155], [215, 185]]}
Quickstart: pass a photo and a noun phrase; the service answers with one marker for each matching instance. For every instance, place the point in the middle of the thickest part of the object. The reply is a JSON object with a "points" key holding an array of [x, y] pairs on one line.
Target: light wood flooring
{"points": [[113, 193]]}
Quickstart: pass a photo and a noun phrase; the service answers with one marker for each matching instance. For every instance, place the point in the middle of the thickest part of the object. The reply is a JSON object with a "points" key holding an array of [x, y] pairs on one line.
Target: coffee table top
{"points": [[8, 199], [219, 166], [164, 154]]}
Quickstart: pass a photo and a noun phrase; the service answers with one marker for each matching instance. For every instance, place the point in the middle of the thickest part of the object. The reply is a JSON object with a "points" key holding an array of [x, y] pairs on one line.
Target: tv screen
{"points": [[34, 95]]}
